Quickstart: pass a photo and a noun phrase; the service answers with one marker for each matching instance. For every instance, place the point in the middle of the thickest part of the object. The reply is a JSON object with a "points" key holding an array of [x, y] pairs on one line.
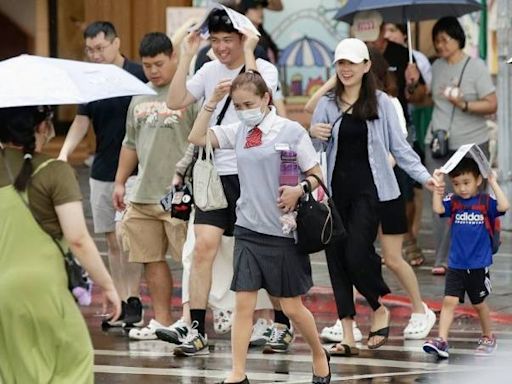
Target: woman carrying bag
{"points": [[462, 94], [43, 336], [265, 257], [358, 127]]}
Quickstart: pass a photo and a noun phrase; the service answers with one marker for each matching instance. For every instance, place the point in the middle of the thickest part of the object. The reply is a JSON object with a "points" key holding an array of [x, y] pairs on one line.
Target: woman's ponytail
{"points": [[18, 126]]}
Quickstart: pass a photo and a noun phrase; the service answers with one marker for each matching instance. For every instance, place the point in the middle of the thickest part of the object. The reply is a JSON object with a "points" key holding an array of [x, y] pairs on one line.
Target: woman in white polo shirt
{"points": [[264, 256]]}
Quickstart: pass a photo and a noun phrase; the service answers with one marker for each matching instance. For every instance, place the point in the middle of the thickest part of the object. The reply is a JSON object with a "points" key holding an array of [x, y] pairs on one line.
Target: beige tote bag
{"points": [[208, 190]]}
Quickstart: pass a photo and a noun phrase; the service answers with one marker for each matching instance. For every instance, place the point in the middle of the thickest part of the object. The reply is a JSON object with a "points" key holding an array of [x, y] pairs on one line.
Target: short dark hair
{"points": [[451, 26], [466, 165], [219, 21], [96, 27], [245, 5], [154, 43]]}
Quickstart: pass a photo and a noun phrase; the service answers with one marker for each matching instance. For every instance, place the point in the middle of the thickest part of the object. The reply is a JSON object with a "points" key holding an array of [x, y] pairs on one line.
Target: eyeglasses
{"points": [[89, 51]]}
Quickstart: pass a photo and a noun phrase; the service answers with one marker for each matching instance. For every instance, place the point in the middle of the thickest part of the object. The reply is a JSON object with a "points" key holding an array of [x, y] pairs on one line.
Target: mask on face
{"points": [[251, 117]]}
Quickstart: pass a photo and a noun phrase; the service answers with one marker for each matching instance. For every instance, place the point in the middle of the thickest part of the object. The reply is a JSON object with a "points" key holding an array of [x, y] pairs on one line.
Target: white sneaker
{"points": [[175, 333], [222, 320], [420, 324], [261, 332], [334, 334], [146, 333]]}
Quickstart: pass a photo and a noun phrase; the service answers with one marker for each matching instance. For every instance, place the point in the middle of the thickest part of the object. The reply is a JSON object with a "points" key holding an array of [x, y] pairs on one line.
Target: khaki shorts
{"points": [[149, 233]]}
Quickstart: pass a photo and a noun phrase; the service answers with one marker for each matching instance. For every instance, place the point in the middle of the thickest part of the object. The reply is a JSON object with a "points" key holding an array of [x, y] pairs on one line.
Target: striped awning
{"points": [[306, 52]]}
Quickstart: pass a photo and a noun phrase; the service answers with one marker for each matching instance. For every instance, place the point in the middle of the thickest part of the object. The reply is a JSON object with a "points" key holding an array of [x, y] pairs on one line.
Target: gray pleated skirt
{"points": [[270, 262]]}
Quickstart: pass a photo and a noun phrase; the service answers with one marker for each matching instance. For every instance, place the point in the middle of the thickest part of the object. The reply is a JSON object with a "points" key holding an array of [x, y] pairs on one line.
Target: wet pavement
{"points": [[120, 360]]}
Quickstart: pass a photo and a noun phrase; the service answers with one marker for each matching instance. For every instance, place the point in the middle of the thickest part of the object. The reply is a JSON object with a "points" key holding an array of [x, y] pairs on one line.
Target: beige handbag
{"points": [[208, 190]]}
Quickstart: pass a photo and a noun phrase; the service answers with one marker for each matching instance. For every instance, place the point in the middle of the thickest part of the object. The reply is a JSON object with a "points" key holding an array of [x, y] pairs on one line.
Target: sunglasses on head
{"points": [[220, 19]]}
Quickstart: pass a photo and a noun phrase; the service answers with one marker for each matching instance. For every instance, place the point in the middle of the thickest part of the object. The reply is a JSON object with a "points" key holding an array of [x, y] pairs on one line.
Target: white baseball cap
{"points": [[353, 50], [509, 61], [366, 25]]}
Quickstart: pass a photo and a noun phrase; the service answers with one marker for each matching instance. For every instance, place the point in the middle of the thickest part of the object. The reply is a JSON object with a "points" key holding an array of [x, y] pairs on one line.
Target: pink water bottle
{"points": [[289, 170]]}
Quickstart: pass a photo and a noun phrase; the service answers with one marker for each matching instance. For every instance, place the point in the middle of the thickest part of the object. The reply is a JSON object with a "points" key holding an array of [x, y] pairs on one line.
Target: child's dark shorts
{"points": [[475, 282]]}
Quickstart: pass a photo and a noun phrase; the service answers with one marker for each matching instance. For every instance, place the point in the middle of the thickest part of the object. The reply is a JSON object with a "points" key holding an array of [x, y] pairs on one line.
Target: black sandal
{"points": [[325, 379], [383, 332], [347, 351]]}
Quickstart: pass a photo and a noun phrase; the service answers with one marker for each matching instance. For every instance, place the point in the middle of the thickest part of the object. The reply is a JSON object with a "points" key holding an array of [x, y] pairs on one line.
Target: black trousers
{"points": [[353, 261]]}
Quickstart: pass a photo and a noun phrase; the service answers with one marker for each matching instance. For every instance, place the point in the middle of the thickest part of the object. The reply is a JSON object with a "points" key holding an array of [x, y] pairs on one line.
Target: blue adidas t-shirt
{"points": [[471, 246]]}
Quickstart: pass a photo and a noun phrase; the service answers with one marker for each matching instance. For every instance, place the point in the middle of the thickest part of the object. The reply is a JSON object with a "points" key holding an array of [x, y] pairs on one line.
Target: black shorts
{"points": [[223, 218], [393, 219], [405, 183], [475, 282]]}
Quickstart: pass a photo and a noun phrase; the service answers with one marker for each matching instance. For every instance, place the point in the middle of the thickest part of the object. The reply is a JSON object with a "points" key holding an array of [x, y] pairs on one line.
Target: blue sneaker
{"points": [[438, 347]]}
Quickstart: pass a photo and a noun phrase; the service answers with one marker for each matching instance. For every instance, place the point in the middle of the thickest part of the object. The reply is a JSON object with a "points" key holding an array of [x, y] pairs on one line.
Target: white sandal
{"points": [[334, 334], [420, 324], [222, 320], [146, 333]]}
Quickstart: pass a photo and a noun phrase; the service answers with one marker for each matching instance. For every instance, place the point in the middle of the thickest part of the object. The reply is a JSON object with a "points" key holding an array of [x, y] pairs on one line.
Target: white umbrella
{"points": [[35, 80]]}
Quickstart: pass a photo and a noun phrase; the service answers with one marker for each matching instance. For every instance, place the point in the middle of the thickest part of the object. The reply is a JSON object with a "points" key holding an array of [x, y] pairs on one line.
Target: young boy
{"points": [[470, 251]]}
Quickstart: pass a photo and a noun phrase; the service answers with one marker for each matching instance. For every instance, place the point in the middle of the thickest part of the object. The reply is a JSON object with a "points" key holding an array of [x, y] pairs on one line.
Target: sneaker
{"points": [[146, 333], [134, 314], [420, 324], [108, 323], [194, 344], [261, 332], [486, 346], [280, 339], [175, 333], [334, 334], [222, 320], [438, 347]]}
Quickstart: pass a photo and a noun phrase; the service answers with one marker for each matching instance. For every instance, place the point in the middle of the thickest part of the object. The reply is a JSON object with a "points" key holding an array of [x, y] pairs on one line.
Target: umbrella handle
{"points": [[409, 40]]}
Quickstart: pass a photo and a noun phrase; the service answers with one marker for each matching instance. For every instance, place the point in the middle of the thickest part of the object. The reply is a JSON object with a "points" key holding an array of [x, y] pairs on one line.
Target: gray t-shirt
{"points": [[476, 84]]}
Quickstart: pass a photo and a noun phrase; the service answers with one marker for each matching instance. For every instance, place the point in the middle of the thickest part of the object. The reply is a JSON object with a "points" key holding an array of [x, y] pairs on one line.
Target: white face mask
{"points": [[251, 117]]}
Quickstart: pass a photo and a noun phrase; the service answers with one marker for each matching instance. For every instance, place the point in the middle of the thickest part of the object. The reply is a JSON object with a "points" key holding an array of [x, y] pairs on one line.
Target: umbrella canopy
{"points": [[400, 11], [34, 80], [306, 52]]}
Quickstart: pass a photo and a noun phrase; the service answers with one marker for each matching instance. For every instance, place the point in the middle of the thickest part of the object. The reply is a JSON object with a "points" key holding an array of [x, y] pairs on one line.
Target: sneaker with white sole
{"points": [[261, 332], [420, 324], [334, 334], [146, 333], [437, 347], [486, 346], [175, 333], [222, 320], [194, 344], [280, 339]]}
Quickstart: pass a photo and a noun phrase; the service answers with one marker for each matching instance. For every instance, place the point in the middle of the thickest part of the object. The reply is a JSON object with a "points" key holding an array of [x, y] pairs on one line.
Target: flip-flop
{"points": [[347, 350], [383, 332]]}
